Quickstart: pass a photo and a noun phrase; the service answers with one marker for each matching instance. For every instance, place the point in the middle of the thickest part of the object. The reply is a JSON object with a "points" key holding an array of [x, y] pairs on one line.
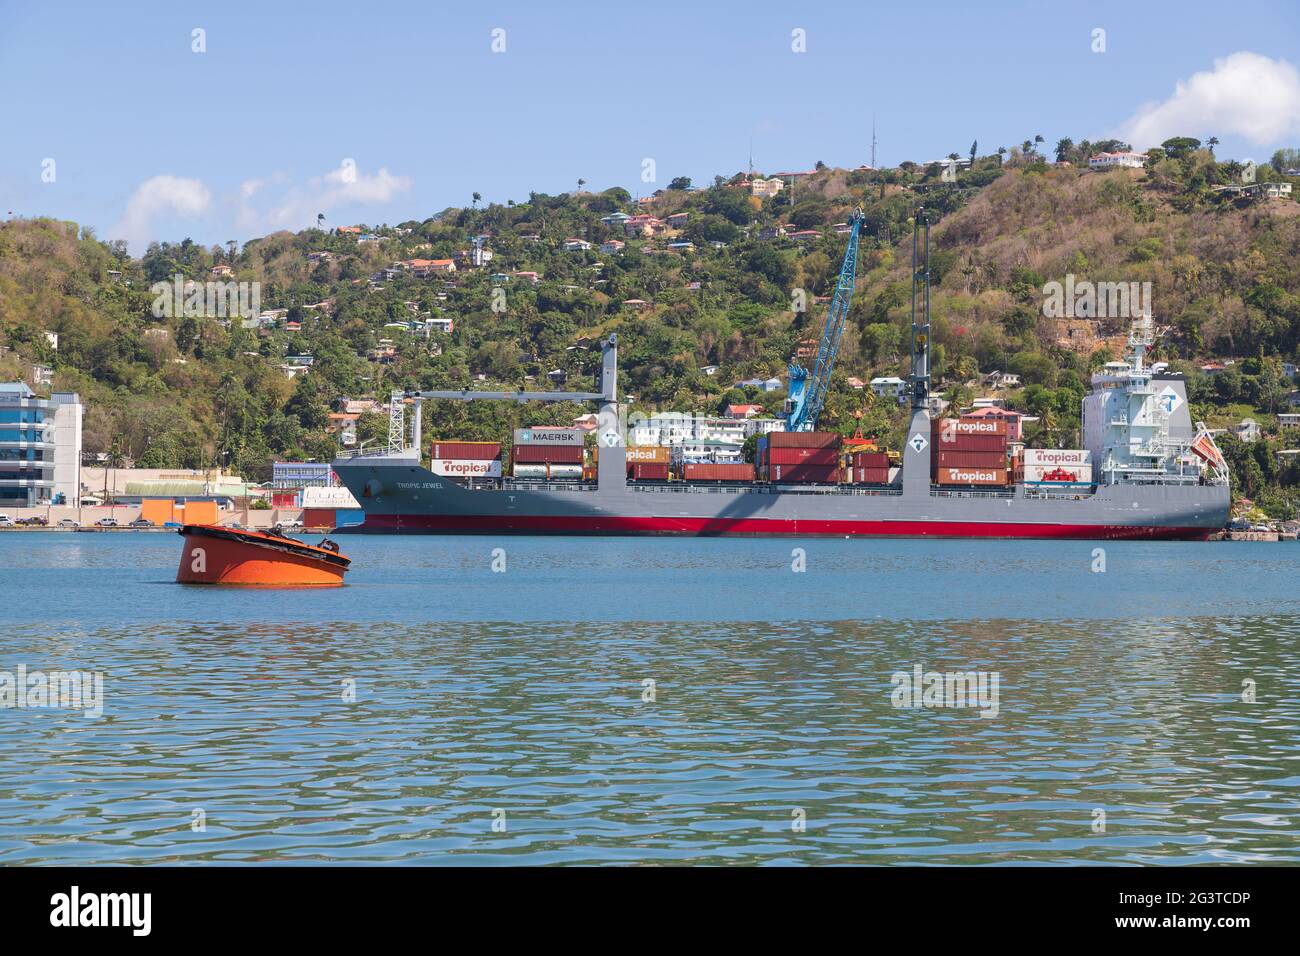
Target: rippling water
{"points": [[519, 699]]}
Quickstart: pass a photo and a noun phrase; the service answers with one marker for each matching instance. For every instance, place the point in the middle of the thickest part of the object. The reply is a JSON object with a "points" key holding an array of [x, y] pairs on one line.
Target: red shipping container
{"points": [[869, 476], [971, 476], [649, 471], [969, 443], [803, 440], [466, 450], [804, 474], [318, 518], [970, 459], [547, 454], [803, 456], [703, 471], [969, 426], [869, 459]]}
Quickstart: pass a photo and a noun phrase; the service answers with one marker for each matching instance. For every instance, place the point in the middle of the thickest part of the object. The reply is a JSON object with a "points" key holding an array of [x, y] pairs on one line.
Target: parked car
{"points": [[106, 523], [6, 521], [142, 523], [69, 523], [36, 521]]}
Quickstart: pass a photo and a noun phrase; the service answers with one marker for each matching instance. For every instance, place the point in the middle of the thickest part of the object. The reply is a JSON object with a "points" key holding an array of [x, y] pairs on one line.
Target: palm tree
{"points": [[1037, 139], [581, 182], [1212, 142], [1002, 151], [320, 219], [1063, 147], [1027, 147], [477, 197]]}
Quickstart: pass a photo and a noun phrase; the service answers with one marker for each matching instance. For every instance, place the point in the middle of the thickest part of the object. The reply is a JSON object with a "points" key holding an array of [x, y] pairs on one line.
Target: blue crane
{"points": [[807, 394]]}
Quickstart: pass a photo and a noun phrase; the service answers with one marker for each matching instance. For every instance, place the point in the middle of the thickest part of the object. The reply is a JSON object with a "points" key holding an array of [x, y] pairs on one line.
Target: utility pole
{"points": [[873, 140]]}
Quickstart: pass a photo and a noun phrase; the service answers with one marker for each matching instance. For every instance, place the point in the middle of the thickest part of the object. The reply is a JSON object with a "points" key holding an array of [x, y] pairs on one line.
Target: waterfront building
{"points": [[40, 447]]}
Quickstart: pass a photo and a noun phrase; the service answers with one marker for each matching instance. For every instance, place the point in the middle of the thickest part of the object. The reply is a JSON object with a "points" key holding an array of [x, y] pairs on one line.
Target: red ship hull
{"points": [[765, 527]]}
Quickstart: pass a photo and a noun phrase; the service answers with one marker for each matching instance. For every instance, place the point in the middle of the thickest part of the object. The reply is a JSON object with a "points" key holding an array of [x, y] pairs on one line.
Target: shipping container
{"points": [[318, 518], [803, 440], [868, 476], [869, 459], [466, 450], [946, 427], [1069, 473], [803, 456], [543, 454], [466, 468], [971, 476], [657, 454], [549, 472], [699, 471], [650, 471], [550, 436], [970, 443], [282, 499], [804, 474], [315, 497], [970, 459], [1050, 457]]}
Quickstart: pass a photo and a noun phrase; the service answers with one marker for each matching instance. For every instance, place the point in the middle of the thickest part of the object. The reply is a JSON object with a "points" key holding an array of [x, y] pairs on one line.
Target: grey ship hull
{"points": [[400, 496]]}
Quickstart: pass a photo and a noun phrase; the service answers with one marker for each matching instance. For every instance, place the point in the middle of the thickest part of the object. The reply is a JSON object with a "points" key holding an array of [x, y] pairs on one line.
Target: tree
{"points": [[1179, 146], [1285, 159], [1002, 151], [581, 182], [1064, 148], [974, 147], [477, 197], [1212, 142], [680, 182]]}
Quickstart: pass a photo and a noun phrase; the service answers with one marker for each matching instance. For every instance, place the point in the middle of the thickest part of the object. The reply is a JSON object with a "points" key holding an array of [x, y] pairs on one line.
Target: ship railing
{"points": [[541, 484], [762, 489], [945, 492]]}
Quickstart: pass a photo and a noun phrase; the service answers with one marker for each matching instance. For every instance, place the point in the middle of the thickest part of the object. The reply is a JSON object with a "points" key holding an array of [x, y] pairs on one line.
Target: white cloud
{"points": [[296, 206], [161, 195], [1245, 95]]}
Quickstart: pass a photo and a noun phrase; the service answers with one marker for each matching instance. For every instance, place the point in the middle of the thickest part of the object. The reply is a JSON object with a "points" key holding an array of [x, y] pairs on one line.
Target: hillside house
{"points": [[889, 387], [576, 245], [1120, 160]]}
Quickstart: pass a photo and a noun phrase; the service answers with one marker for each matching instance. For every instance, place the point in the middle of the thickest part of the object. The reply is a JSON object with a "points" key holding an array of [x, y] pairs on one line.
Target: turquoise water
{"points": [[519, 699]]}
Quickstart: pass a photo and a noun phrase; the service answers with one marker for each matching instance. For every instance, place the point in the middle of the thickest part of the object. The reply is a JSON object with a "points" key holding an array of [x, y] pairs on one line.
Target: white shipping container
{"points": [[552, 472], [1078, 473], [318, 497], [465, 468], [1051, 457], [550, 436]]}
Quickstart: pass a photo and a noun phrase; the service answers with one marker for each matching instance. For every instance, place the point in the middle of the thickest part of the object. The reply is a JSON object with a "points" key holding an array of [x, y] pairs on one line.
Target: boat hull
{"points": [[215, 555], [400, 497]]}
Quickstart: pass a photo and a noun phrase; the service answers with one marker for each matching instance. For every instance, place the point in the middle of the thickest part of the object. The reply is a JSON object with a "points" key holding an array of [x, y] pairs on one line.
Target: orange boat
{"points": [[217, 555]]}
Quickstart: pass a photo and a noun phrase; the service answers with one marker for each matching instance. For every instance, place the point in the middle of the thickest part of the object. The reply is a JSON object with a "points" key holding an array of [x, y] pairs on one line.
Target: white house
{"points": [[1111, 160], [1246, 430], [889, 386]]}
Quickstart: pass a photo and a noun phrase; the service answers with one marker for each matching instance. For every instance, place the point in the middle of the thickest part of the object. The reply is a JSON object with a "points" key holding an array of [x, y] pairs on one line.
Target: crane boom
{"points": [[807, 392]]}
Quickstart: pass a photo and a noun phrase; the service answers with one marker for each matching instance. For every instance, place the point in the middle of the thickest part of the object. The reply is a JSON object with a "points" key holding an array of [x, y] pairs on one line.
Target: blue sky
{"points": [[152, 140]]}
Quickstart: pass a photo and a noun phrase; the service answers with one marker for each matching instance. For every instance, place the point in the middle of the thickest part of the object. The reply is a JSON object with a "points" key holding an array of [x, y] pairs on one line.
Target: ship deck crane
{"points": [[807, 393]]}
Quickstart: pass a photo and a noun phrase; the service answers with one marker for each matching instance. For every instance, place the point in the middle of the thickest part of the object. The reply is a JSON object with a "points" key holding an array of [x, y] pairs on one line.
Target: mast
{"points": [[919, 379]]}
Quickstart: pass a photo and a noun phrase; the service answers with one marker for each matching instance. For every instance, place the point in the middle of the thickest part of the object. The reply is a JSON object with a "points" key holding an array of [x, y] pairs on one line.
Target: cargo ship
{"points": [[1151, 474]]}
